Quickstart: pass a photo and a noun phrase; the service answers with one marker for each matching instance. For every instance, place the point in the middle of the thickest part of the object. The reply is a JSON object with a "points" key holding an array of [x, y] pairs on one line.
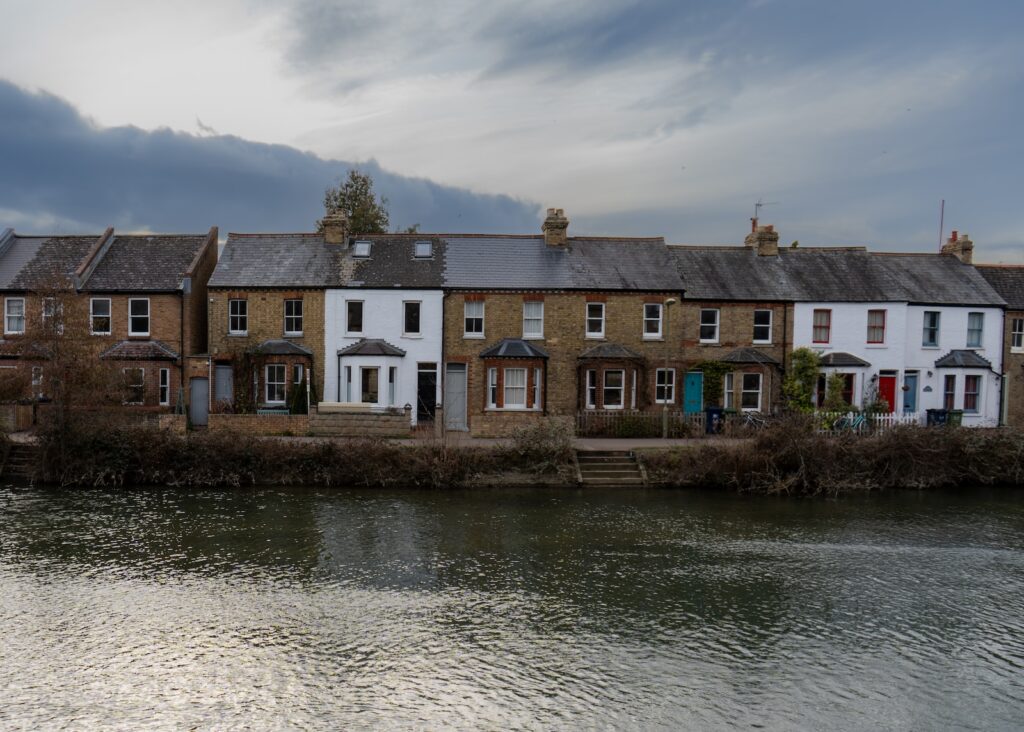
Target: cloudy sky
{"points": [[852, 120]]}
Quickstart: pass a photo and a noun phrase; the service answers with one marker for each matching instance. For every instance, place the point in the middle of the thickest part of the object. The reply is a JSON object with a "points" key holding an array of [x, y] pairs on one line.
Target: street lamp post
{"points": [[668, 349]]}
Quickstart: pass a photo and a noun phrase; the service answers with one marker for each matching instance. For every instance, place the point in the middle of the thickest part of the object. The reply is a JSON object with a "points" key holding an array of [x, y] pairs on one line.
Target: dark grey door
{"points": [[426, 392], [224, 386], [199, 401], [455, 396]]}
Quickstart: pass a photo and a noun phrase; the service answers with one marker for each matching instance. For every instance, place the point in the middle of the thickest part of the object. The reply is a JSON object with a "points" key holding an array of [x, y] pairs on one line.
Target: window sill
{"points": [[653, 338], [1017, 350], [876, 345], [533, 338], [238, 334], [354, 335], [100, 334], [931, 348], [709, 343], [138, 335], [473, 336], [761, 343], [526, 410], [293, 335], [592, 337], [413, 336]]}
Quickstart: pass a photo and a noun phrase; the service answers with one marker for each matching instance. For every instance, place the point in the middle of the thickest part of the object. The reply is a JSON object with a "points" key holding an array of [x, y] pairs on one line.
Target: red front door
{"points": [[887, 390]]}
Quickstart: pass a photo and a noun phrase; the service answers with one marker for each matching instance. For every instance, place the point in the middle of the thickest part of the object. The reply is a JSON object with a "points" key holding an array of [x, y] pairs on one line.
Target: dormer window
{"points": [[424, 250], [361, 249]]}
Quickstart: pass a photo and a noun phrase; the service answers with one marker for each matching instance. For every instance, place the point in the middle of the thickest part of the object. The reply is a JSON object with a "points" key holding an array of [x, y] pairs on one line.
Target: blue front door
{"points": [[910, 392], [693, 392]]}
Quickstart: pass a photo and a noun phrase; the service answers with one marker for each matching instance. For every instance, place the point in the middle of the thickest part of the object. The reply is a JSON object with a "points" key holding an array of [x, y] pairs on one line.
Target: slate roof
{"points": [[31, 262], [371, 347], [749, 355], [850, 274], [145, 263], [527, 263], [392, 263], [841, 358], [1007, 280], [963, 359], [140, 351], [277, 260], [513, 348], [280, 347], [610, 351]]}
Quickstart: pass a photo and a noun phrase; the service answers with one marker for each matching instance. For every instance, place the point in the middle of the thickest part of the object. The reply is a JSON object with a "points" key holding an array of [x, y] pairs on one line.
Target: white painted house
{"points": [[383, 328], [919, 331]]}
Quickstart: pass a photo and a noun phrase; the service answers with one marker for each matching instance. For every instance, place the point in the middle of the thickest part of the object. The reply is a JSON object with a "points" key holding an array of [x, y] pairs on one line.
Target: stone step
{"points": [[606, 453], [614, 481]]}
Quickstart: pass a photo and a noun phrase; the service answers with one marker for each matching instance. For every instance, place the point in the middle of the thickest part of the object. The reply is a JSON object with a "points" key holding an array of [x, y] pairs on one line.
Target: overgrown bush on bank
{"points": [[103, 456], [792, 459]]}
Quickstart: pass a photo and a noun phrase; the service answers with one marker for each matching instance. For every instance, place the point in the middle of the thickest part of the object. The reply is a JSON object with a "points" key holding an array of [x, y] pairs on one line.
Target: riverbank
{"points": [[790, 459]]}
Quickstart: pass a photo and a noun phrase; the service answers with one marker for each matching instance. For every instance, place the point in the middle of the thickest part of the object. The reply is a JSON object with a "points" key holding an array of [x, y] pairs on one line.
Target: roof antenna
{"points": [[942, 221], [757, 212]]}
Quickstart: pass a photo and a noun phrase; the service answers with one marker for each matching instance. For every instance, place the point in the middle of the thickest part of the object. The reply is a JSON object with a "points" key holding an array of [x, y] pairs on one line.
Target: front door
{"points": [[199, 401], [223, 387], [426, 392], [455, 397], [693, 392], [910, 392], [887, 390]]}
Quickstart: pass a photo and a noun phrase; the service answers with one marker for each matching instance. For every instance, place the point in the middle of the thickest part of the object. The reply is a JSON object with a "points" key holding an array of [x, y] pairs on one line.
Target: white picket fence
{"points": [[840, 422]]}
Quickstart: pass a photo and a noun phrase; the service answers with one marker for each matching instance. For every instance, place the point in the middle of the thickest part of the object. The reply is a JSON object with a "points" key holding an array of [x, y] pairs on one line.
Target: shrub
{"points": [[545, 446]]}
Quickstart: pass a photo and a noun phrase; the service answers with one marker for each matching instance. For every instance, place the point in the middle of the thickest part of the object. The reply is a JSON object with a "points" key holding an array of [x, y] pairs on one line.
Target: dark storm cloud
{"points": [[59, 166]]}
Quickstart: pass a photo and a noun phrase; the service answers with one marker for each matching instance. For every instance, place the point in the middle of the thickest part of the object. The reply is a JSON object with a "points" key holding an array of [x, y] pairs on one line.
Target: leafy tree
{"points": [[834, 399], [799, 384], [366, 213]]}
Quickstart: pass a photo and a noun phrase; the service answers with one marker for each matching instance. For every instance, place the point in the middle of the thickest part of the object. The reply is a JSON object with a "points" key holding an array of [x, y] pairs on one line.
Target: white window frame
{"points": [[93, 315], [621, 389], [148, 316], [1017, 335], [729, 401], [423, 249], [981, 330], [392, 384], [885, 323], [926, 329], [50, 308], [506, 388], [241, 317], [267, 382], [977, 394], [744, 390], [298, 371], [591, 395], [538, 391], [8, 330], [348, 385], [141, 385], [535, 318], [771, 317], [466, 317], [363, 370], [702, 325], [419, 307], [668, 388], [165, 387], [492, 388], [362, 317], [658, 308], [827, 326], [294, 317], [361, 249], [37, 382], [598, 319]]}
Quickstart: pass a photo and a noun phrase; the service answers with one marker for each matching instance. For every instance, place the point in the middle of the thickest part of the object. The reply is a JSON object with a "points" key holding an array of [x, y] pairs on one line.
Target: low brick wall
{"points": [[176, 423], [16, 417], [260, 424], [502, 424], [360, 424]]}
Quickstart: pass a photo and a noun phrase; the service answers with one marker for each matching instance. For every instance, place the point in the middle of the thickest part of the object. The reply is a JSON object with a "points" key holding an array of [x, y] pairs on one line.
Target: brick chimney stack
{"points": [[764, 239], [960, 246], [555, 228], [336, 228]]}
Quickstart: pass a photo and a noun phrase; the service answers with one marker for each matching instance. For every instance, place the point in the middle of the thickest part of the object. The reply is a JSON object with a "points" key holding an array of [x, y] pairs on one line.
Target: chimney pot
{"points": [[763, 239], [555, 228], [336, 228], [960, 246]]}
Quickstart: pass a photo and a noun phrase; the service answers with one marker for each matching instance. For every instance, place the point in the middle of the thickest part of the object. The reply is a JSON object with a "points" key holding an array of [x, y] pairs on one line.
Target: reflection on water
{"points": [[502, 609]]}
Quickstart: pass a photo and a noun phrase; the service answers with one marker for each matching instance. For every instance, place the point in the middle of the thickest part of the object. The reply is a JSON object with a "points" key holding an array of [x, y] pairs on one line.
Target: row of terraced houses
{"points": [[482, 333]]}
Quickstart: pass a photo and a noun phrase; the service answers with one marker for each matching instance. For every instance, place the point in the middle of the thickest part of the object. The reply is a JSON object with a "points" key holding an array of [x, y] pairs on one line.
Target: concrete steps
{"points": [[609, 468], [22, 461]]}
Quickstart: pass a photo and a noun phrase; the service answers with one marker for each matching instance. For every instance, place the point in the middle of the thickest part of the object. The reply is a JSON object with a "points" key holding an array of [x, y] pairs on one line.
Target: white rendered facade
{"points": [[901, 353], [385, 380]]}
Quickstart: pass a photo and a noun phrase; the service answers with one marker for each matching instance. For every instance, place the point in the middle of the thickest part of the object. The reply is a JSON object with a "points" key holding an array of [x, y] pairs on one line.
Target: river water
{"points": [[347, 609]]}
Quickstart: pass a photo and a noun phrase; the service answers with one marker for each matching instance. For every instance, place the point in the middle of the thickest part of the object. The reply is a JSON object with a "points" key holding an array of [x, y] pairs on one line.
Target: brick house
{"points": [[1008, 281], [553, 325], [266, 319], [138, 300]]}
